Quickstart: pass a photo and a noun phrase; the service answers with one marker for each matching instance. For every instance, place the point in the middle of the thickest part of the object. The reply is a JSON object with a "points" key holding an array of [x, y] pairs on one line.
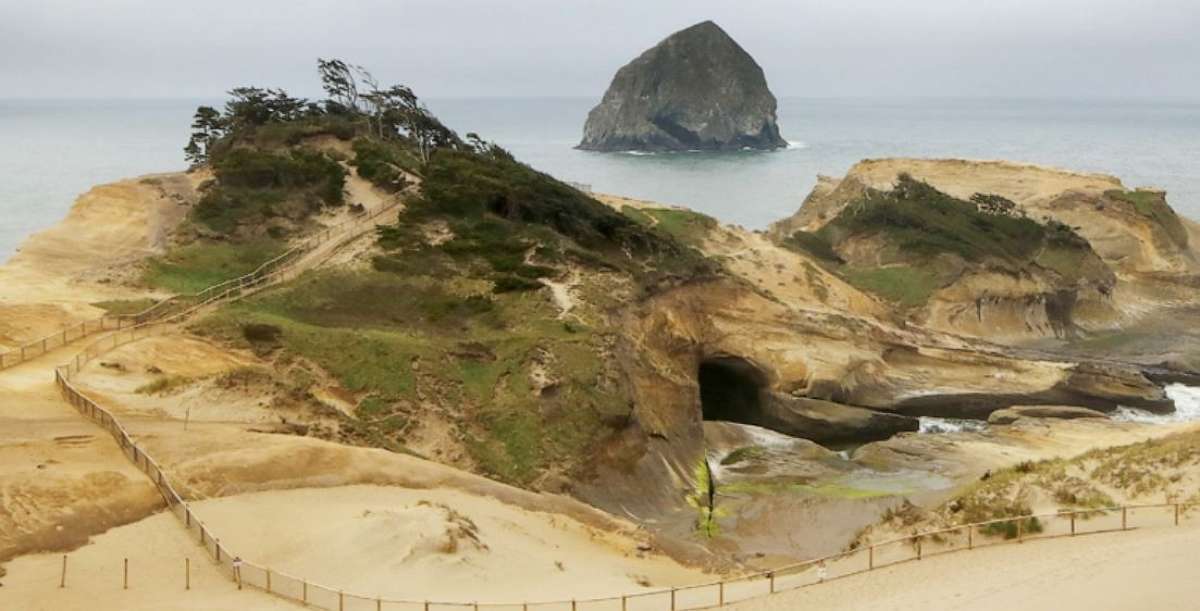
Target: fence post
{"points": [[378, 604], [62, 582], [1177, 514], [771, 577], [1124, 518], [624, 603], [918, 540], [187, 573], [341, 601], [672, 599], [721, 593], [1072, 523], [125, 584], [970, 536], [1020, 530], [871, 558], [268, 581], [304, 592]]}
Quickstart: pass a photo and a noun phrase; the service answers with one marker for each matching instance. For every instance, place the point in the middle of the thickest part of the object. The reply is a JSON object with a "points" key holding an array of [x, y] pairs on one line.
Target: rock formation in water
{"points": [[696, 90]]}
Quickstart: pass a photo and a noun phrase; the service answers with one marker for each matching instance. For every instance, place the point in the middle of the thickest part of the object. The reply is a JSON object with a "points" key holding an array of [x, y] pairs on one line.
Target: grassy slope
{"points": [[465, 327], [922, 229]]}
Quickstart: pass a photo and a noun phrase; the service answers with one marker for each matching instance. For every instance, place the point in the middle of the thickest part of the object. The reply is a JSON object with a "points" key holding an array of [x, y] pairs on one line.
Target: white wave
{"points": [[1187, 408], [795, 145], [637, 153], [929, 424]]}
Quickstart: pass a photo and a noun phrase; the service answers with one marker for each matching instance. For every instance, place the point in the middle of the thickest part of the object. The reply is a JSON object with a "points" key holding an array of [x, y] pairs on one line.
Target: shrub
{"points": [[295, 170], [257, 333], [925, 222], [817, 245], [381, 163], [163, 385], [513, 198], [513, 284]]}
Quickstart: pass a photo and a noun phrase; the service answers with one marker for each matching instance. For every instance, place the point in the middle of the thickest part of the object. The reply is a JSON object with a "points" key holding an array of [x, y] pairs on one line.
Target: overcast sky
{"points": [[200, 48]]}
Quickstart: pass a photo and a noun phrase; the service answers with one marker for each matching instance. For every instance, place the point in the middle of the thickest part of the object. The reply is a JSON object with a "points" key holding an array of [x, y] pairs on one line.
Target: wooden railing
{"points": [[699, 596], [176, 304]]}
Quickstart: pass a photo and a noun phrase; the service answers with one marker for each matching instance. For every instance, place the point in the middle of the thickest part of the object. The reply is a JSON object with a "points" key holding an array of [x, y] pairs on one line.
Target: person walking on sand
{"points": [[237, 570]]}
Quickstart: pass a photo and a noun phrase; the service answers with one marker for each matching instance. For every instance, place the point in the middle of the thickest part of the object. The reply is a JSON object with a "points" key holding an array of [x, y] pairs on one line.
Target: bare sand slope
{"points": [[61, 477], [434, 544], [156, 548], [58, 272], [1151, 569]]}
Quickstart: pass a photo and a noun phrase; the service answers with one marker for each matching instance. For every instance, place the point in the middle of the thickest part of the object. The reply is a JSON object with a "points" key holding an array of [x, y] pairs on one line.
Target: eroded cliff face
{"points": [[790, 363], [695, 90], [1139, 242]]}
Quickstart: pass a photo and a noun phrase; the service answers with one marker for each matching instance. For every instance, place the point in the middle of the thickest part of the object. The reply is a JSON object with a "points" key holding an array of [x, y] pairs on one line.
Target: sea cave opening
{"points": [[732, 389]]}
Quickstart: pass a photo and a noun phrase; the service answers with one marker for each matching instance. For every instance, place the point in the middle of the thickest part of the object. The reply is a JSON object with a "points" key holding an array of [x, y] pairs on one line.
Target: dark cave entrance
{"points": [[732, 389]]}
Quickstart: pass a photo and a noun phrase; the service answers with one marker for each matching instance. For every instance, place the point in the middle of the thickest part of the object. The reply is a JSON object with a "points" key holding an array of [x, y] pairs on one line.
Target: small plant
{"points": [[743, 454], [163, 385], [703, 499]]}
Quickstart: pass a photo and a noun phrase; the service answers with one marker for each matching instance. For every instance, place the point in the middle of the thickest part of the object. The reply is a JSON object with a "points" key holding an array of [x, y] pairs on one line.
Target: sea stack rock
{"points": [[696, 90]]}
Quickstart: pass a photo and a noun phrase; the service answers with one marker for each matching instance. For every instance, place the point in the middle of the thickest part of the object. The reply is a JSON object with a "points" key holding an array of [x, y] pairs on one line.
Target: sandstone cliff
{"points": [[696, 90], [1135, 236]]}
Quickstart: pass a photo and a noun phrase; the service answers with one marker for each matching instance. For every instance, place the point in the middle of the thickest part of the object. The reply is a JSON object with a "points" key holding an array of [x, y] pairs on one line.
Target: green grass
{"points": [[1146, 203], [125, 307], [197, 266], [926, 237], [814, 244], [476, 354], [1065, 262], [1153, 205], [638, 215], [685, 225], [362, 360], [744, 454], [901, 284]]}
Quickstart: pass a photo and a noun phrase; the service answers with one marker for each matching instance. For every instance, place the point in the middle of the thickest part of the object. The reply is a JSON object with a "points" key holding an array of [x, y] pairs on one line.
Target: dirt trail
{"points": [[61, 477]]}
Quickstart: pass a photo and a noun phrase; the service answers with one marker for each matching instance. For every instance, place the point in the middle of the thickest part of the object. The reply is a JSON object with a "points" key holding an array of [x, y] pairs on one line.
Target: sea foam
{"points": [[1187, 408]]}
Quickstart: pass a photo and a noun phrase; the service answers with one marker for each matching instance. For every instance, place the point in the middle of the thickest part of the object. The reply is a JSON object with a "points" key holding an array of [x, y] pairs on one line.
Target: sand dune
{"points": [[434, 544]]}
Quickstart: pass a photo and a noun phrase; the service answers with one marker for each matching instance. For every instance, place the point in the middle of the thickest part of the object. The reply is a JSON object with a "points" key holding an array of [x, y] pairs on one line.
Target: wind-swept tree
{"points": [[338, 80], [207, 127]]}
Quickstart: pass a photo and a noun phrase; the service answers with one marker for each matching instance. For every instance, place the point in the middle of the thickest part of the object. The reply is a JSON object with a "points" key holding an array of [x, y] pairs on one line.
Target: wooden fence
{"points": [[176, 304], [699, 596]]}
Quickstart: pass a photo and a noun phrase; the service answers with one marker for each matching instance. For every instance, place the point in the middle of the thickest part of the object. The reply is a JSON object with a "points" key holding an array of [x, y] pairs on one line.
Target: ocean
{"points": [[53, 150]]}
